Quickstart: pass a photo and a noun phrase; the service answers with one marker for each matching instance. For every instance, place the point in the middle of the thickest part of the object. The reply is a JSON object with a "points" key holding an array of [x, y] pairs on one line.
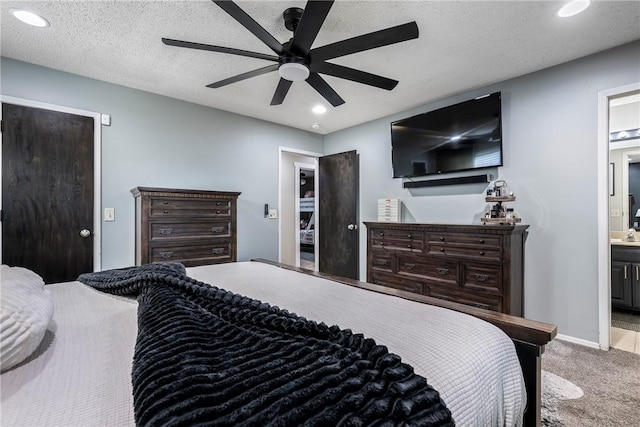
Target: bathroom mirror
{"points": [[624, 153]]}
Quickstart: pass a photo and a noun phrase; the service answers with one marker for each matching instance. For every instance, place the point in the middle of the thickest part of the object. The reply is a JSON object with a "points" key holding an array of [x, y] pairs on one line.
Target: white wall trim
{"points": [[97, 162], [580, 341], [604, 244]]}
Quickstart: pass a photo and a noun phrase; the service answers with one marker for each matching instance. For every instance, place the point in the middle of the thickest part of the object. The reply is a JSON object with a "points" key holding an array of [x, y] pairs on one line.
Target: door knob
{"points": [[85, 233], [352, 227]]}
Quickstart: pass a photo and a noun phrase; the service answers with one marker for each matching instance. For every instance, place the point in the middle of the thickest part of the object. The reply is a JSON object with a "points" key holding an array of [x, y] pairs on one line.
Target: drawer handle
{"points": [[441, 239], [442, 297], [441, 249], [218, 203], [483, 306], [410, 236], [381, 243], [441, 270], [381, 234], [482, 277], [165, 203], [481, 240], [165, 255], [409, 266], [482, 253], [165, 211], [625, 272], [380, 262], [409, 246], [217, 212], [166, 231], [637, 272], [217, 229], [217, 250]]}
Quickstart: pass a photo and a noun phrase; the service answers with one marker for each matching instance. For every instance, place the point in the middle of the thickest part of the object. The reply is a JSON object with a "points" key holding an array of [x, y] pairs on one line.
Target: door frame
{"points": [[303, 153], [97, 162], [314, 167], [604, 242]]}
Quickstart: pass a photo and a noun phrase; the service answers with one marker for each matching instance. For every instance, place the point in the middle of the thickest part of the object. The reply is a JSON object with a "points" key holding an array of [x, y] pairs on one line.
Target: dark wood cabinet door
{"points": [[47, 191], [621, 284], [338, 214], [635, 285]]}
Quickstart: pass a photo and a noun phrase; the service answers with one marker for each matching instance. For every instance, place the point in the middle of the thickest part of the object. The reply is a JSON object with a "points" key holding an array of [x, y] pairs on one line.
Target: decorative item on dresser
{"points": [[478, 265], [194, 227]]}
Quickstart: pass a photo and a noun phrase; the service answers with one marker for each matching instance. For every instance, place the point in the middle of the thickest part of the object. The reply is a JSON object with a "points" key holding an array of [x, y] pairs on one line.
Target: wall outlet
{"points": [[109, 214], [615, 213], [273, 213]]}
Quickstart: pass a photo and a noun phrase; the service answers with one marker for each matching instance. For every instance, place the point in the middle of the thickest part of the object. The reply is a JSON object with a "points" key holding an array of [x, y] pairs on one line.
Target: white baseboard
{"points": [[578, 341]]}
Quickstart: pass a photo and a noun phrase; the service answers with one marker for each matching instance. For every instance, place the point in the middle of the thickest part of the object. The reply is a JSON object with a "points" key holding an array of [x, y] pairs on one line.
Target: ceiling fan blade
{"points": [[281, 91], [221, 49], [323, 88], [373, 40], [354, 75], [244, 76], [243, 18], [315, 12]]}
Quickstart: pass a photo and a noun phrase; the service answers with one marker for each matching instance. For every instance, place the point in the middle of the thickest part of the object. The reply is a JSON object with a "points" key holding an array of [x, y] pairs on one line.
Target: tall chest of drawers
{"points": [[478, 265], [193, 227]]}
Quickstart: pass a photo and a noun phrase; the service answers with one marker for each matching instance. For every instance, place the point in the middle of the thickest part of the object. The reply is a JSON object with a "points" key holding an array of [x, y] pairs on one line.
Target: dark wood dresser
{"points": [[478, 265], [193, 227]]}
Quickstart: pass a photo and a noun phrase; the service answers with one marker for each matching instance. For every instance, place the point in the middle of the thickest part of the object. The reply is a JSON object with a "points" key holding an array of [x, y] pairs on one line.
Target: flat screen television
{"points": [[459, 137]]}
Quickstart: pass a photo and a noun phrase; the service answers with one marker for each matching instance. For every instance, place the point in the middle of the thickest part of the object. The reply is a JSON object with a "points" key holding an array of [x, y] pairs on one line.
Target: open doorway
{"points": [[624, 207], [618, 141], [297, 245], [306, 216]]}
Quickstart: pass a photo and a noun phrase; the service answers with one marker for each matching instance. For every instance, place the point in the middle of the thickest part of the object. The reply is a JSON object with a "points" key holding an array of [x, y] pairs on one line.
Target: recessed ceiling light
{"points": [[319, 109], [573, 8], [315, 126], [30, 18]]}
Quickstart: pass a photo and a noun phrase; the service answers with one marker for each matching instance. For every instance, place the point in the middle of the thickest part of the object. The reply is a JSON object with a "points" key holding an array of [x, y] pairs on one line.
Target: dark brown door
{"points": [[47, 192], [338, 214]]}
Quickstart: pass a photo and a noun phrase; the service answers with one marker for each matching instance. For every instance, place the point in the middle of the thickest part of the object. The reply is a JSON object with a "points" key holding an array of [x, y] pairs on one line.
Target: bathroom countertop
{"points": [[623, 242]]}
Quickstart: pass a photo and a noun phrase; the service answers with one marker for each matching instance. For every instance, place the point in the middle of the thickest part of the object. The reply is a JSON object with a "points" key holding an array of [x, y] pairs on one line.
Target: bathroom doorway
{"points": [[619, 132]]}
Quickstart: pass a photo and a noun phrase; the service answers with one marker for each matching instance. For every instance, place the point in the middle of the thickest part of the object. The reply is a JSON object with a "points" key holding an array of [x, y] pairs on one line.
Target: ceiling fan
{"points": [[296, 61]]}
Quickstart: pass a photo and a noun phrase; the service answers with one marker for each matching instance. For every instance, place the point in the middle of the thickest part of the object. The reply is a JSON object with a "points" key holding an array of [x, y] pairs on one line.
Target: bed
{"points": [[80, 374]]}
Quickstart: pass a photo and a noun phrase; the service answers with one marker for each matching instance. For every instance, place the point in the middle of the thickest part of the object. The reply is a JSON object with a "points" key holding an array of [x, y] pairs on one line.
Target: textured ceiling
{"points": [[462, 45]]}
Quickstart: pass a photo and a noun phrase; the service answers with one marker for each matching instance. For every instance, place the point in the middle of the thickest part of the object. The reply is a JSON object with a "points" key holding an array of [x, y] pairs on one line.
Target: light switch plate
{"points": [[615, 213], [109, 214], [273, 213]]}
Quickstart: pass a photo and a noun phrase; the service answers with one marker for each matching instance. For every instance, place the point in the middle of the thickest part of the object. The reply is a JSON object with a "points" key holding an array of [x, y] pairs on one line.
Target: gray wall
{"points": [[156, 141], [550, 155]]}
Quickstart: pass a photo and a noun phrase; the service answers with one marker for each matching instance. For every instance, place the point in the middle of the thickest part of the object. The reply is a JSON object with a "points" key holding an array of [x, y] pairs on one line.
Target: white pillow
{"points": [[26, 308]]}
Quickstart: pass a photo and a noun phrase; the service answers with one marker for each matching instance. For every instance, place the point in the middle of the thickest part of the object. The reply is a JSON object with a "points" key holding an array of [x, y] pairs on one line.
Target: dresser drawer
{"points": [[465, 252], [201, 254], [465, 240], [485, 278], [167, 207], [432, 269], [396, 240], [396, 282], [177, 230], [381, 261], [486, 303]]}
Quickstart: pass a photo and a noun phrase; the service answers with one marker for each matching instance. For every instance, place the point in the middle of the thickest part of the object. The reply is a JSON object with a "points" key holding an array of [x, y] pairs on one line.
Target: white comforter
{"points": [[81, 375]]}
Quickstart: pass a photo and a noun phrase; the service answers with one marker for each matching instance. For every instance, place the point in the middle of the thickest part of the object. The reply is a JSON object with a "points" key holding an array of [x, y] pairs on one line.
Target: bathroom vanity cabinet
{"points": [[625, 277]]}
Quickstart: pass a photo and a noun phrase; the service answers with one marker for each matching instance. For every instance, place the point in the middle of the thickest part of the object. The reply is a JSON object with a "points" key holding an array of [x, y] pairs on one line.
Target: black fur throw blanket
{"points": [[206, 356]]}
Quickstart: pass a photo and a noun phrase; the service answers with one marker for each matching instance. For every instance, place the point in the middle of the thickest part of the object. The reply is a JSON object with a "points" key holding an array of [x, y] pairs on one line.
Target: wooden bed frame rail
{"points": [[528, 336]]}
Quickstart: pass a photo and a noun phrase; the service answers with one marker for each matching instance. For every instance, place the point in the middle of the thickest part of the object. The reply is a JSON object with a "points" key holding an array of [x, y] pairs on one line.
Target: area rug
{"points": [[555, 389], [627, 321]]}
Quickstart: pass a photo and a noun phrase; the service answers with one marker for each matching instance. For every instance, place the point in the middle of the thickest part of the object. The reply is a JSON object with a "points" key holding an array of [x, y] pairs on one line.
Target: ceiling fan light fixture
{"points": [[293, 71]]}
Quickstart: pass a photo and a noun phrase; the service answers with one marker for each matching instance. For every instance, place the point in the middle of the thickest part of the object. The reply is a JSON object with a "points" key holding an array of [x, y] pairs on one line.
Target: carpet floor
{"points": [[595, 388], [624, 320]]}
